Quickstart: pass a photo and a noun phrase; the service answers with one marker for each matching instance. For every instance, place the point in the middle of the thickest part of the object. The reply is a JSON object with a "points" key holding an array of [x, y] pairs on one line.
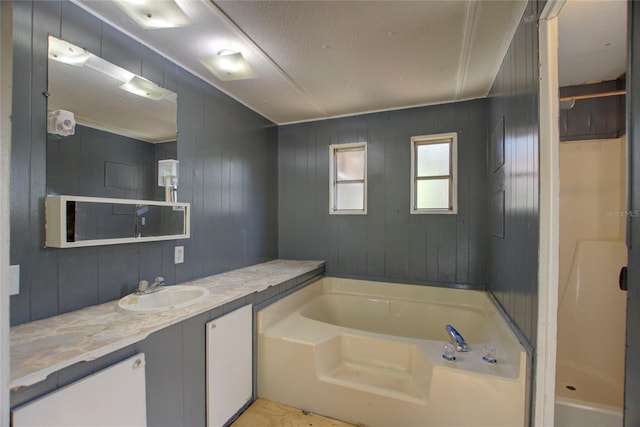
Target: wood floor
{"points": [[265, 413]]}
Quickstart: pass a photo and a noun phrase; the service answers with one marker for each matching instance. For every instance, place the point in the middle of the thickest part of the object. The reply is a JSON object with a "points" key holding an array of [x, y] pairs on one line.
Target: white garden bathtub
{"points": [[370, 353]]}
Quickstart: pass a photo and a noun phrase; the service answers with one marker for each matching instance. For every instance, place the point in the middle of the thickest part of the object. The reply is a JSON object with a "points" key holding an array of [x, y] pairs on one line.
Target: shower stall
{"points": [[591, 307]]}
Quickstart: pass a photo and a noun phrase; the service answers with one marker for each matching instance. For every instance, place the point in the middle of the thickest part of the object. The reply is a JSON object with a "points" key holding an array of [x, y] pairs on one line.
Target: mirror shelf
{"points": [[78, 221]]}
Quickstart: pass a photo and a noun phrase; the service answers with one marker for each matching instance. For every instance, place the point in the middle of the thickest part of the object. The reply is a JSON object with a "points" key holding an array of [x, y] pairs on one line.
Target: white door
{"points": [[115, 396], [229, 365]]}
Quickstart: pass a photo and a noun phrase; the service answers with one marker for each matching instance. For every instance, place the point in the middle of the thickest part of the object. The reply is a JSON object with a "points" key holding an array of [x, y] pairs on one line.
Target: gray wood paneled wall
{"points": [[513, 259], [228, 172], [387, 243], [593, 118], [96, 163]]}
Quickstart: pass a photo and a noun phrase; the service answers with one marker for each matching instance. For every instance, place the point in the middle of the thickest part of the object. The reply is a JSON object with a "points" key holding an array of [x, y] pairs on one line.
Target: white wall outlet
{"points": [[14, 279], [178, 255]]}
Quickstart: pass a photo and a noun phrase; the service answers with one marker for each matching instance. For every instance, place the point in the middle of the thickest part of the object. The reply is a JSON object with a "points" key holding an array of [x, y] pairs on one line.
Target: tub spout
{"points": [[456, 339]]}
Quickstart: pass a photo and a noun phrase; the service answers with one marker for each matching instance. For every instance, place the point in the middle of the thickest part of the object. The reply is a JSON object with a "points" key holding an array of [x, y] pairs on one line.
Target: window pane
{"points": [[350, 196], [350, 164], [432, 194], [433, 159]]}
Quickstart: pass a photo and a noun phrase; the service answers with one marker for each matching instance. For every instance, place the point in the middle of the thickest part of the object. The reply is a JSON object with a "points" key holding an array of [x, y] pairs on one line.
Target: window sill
{"points": [[433, 212], [346, 212]]}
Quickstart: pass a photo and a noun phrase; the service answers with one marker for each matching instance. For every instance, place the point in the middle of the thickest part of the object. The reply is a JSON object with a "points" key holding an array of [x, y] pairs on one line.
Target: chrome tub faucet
{"points": [[456, 339]]}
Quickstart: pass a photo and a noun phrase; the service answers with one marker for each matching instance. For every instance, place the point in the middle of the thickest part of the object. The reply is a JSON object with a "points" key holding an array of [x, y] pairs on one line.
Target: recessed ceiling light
{"points": [[228, 65], [145, 88], [62, 51], [153, 14]]}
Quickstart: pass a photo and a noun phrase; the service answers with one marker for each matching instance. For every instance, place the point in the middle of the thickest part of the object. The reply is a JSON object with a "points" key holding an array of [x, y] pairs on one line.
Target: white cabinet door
{"points": [[229, 365], [114, 396]]}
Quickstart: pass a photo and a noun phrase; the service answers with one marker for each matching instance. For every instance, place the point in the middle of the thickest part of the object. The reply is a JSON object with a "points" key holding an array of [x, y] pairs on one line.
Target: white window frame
{"points": [[333, 148], [452, 139]]}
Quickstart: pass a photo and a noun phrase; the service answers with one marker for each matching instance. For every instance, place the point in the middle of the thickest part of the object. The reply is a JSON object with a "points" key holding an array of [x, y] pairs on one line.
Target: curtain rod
{"points": [[594, 95]]}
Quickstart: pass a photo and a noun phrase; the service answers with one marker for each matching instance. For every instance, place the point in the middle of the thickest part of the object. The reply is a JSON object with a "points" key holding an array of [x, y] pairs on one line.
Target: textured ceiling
{"points": [[318, 59], [592, 38], [362, 56]]}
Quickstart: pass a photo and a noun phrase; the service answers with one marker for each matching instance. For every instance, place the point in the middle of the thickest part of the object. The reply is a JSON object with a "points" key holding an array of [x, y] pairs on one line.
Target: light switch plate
{"points": [[178, 255], [14, 279]]}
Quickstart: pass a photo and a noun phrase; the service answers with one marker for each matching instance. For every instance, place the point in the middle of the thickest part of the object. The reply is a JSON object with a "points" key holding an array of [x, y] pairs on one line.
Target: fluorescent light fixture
{"points": [[228, 65], [138, 86], [145, 88], [62, 51], [67, 53], [153, 14], [98, 64]]}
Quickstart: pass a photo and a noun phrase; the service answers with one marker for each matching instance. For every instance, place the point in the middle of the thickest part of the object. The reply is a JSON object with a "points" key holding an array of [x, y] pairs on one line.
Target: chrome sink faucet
{"points": [[145, 288], [456, 339]]}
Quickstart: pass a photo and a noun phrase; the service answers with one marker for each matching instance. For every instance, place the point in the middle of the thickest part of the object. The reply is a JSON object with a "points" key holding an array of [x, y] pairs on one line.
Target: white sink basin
{"points": [[167, 298]]}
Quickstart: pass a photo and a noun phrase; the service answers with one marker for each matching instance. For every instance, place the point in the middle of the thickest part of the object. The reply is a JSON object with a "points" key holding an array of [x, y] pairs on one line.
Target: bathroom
{"points": [[232, 185]]}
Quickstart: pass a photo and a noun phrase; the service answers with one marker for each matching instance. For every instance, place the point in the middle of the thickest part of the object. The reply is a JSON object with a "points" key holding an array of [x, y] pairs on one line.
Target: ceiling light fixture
{"points": [[145, 88], [100, 65], [153, 14], [228, 65], [65, 52]]}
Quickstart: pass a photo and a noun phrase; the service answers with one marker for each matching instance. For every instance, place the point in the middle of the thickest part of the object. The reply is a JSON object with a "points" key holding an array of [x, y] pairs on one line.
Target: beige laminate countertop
{"points": [[45, 346]]}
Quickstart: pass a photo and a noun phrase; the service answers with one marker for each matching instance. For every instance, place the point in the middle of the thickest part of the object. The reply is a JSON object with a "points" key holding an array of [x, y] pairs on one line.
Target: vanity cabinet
{"points": [[198, 369], [114, 396], [229, 365]]}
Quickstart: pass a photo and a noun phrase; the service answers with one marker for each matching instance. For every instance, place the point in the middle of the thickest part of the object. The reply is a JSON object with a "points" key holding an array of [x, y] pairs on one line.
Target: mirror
{"points": [[107, 127], [98, 221], [104, 96], [76, 221]]}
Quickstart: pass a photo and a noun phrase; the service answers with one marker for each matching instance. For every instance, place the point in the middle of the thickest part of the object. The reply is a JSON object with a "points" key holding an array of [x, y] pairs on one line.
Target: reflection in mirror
{"points": [[107, 127], [76, 221], [104, 96], [99, 221]]}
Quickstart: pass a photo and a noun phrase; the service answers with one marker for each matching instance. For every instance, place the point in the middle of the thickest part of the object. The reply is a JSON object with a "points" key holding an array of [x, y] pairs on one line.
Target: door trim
{"points": [[6, 13], [548, 262]]}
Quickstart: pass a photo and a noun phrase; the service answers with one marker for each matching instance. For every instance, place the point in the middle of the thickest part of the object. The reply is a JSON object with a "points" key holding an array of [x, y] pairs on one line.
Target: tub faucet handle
{"points": [[489, 354], [456, 339], [449, 352]]}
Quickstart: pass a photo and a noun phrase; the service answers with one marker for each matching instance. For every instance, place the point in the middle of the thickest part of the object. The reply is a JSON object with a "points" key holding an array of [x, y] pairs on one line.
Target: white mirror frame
{"points": [[56, 221]]}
